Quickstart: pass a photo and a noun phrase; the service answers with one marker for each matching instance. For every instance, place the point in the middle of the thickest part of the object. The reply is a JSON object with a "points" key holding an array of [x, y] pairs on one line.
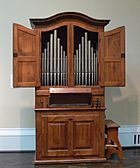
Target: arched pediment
{"points": [[67, 16]]}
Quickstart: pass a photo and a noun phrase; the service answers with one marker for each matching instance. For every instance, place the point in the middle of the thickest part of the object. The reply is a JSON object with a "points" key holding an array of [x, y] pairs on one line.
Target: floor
{"points": [[26, 160]]}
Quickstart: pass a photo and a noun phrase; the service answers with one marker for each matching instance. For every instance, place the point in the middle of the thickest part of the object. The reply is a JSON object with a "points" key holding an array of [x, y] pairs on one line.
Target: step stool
{"points": [[112, 142]]}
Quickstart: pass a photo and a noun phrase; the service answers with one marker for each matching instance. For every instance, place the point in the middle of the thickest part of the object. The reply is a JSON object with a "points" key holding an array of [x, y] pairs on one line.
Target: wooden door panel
{"points": [[25, 72], [82, 135], [114, 71], [26, 46], [58, 133], [85, 135], [114, 58], [55, 136], [26, 57], [113, 45]]}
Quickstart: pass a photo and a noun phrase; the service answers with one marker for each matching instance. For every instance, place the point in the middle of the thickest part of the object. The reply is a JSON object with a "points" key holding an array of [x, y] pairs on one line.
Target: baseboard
{"points": [[23, 139], [129, 135], [17, 139]]}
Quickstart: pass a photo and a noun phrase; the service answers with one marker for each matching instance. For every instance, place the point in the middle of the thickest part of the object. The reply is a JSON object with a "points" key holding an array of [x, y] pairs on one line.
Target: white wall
{"points": [[17, 105]]}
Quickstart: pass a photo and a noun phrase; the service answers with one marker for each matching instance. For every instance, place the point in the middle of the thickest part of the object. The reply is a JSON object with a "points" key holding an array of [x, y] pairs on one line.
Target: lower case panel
{"points": [[69, 136]]}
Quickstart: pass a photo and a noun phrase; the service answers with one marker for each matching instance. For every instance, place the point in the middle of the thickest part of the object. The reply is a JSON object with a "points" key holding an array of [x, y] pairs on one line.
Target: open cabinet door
{"points": [[114, 58], [26, 57]]}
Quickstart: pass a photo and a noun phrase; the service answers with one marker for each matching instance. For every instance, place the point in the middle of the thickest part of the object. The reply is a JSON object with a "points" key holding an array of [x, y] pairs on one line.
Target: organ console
{"points": [[69, 59]]}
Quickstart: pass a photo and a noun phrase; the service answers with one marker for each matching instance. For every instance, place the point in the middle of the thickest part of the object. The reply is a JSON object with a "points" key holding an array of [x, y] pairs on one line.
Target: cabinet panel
{"points": [[85, 135], [55, 136], [58, 133]]}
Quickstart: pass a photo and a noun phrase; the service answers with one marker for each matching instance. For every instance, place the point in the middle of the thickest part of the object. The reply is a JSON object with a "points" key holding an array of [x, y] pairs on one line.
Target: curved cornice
{"points": [[37, 22]]}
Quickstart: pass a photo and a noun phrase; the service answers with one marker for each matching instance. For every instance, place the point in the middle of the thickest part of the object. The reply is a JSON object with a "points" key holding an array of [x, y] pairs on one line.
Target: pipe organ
{"points": [[69, 59]]}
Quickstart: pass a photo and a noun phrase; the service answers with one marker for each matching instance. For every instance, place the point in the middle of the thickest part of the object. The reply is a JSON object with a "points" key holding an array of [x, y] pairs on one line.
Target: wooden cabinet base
{"points": [[70, 160], [69, 136]]}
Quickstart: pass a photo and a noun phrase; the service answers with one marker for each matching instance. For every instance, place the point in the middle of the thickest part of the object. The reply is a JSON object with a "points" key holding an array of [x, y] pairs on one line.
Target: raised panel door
{"points": [[114, 58], [85, 135], [26, 57], [55, 136]]}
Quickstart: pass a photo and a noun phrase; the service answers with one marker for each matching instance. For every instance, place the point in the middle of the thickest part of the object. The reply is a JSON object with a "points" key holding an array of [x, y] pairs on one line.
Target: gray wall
{"points": [[17, 104]]}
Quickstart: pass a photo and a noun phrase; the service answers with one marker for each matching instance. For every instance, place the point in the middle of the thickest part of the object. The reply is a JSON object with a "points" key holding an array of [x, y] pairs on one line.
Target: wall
{"points": [[17, 104]]}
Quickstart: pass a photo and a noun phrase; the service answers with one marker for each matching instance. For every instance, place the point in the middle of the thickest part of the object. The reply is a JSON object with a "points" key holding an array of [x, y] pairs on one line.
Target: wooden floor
{"points": [[26, 160]]}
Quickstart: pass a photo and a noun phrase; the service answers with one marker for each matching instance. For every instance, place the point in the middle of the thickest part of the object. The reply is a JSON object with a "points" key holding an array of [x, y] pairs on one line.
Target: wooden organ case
{"points": [[69, 59]]}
